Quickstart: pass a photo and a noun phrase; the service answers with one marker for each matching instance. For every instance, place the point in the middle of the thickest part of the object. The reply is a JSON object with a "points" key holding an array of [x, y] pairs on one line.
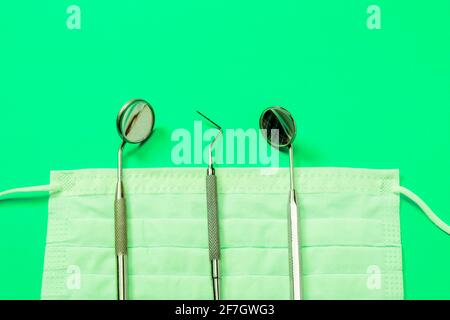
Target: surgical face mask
{"points": [[351, 247]]}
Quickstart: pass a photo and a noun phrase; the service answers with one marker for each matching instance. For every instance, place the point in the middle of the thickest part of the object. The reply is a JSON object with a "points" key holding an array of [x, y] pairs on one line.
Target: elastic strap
{"points": [[425, 208], [43, 188], [402, 190]]}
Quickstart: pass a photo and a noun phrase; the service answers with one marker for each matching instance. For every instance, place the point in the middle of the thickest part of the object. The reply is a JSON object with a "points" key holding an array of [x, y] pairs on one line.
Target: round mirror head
{"points": [[135, 121], [278, 127]]}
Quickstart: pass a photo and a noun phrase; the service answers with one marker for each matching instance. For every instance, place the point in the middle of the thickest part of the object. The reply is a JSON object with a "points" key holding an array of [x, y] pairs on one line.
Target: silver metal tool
{"points": [[135, 123], [213, 217], [278, 127]]}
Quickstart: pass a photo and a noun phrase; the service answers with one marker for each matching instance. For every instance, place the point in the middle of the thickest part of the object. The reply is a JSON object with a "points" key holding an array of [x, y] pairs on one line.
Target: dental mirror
{"points": [[278, 127], [135, 123]]}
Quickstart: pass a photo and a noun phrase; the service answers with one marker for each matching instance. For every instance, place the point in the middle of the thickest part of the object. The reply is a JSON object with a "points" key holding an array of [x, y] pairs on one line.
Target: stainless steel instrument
{"points": [[213, 217], [278, 127], [135, 123]]}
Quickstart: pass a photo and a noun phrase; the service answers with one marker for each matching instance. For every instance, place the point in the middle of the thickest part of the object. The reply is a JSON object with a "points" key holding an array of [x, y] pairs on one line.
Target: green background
{"points": [[362, 98]]}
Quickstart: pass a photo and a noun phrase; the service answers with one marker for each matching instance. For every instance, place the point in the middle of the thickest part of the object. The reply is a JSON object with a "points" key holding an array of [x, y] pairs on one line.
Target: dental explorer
{"points": [[213, 218]]}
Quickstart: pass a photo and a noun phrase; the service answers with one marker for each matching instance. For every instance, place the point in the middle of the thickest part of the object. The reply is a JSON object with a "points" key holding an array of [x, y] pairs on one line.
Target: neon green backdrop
{"points": [[362, 98]]}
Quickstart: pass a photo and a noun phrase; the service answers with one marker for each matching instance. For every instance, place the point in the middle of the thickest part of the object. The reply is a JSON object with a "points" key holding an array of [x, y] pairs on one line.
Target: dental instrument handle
{"points": [[294, 236], [213, 230], [294, 247], [121, 246]]}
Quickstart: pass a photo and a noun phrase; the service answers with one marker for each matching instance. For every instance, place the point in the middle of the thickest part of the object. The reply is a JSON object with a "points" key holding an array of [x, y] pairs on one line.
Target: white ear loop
{"points": [[424, 207], [43, 188], [402, 190]]}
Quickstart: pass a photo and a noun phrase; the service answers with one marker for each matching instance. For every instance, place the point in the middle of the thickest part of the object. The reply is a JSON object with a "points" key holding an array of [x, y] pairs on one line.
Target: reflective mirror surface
{"points": [[135, 121], [278, 127]]}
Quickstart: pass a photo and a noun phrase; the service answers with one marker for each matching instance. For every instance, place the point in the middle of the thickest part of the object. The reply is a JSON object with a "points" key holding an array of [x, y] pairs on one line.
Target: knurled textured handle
{"points": [[120, 226], [213, 218]]}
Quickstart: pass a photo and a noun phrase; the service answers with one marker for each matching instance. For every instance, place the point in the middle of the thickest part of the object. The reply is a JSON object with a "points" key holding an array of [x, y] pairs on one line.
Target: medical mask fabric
{"points": [[350, 223], [351, 247]]}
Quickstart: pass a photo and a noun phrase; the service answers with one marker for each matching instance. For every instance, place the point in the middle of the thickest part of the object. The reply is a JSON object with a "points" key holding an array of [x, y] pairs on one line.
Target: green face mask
{"points": [[351, 246]]}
